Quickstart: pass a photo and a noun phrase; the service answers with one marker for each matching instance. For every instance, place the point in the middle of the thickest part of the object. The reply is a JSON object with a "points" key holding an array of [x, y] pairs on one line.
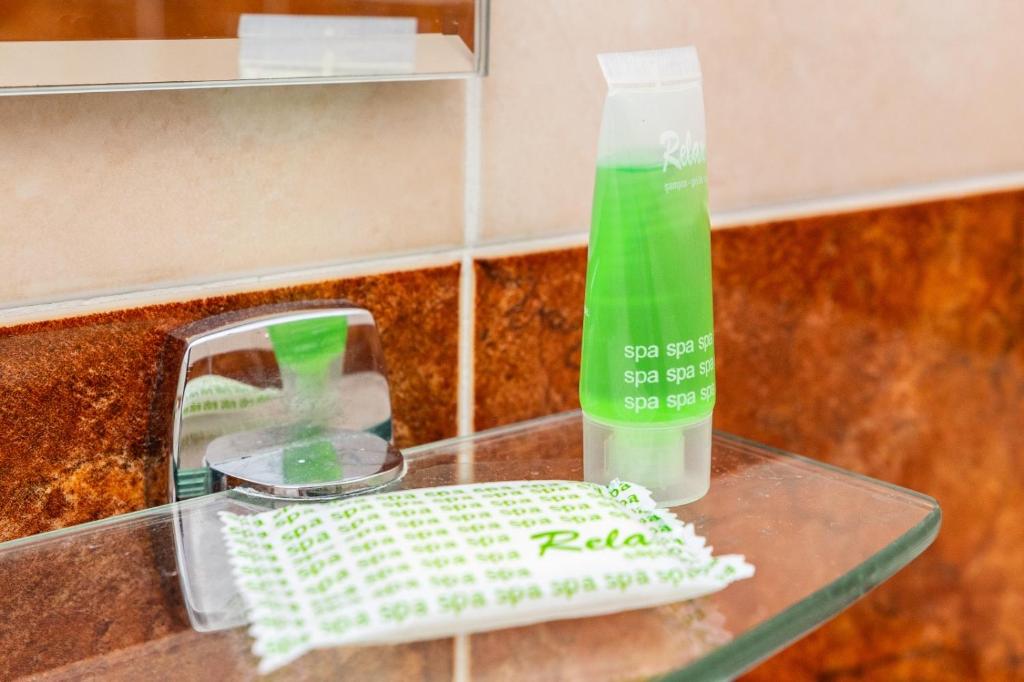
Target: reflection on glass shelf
{"points": [[146, 595]]}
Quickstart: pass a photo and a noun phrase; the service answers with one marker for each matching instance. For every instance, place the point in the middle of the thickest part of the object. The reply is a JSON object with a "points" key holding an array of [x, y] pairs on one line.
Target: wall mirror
{"points": [[80, 45]]}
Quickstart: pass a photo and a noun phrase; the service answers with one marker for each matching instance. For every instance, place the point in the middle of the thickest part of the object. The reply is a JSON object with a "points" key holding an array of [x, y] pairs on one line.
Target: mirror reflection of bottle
{"points": [[310, 355]]}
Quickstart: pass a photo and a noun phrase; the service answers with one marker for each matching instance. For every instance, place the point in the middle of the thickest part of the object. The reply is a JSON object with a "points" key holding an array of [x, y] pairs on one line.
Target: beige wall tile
{"points": [[805, 98], [120, 191]]}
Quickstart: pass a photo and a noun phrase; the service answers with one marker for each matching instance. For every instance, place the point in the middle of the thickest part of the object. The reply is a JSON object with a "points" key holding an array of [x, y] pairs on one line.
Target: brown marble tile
{"points": [[87, 595], [74, 421], [889, 342], [106, 603], [227, 657], [529, 315], [892, 342]]}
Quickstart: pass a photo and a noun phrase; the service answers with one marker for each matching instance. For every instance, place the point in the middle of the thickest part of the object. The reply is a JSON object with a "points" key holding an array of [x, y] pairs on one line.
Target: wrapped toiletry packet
{"points": [[437, 562]]}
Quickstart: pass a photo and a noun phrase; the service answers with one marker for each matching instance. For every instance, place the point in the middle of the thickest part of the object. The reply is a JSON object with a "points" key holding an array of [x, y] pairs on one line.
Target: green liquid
{"points": [[305, 351], [312, 459], [648, 353], [307, 347]]}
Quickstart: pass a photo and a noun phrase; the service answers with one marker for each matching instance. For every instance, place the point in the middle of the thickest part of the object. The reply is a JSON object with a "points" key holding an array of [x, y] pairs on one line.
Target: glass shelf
{"points": [[148, 595]]}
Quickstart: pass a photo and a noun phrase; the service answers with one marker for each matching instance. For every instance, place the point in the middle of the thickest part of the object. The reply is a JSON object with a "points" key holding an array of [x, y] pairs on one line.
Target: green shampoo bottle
{"points": [[647, 383]]}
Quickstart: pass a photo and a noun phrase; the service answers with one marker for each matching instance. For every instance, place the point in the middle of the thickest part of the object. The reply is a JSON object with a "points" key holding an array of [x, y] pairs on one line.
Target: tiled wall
{"points": [[120, 191], [804, 98], [886, 340], [76, 439]]}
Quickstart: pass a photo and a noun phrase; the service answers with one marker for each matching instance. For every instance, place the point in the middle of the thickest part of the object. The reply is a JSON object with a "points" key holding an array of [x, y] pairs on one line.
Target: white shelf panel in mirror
{"points": [[267, 49]]}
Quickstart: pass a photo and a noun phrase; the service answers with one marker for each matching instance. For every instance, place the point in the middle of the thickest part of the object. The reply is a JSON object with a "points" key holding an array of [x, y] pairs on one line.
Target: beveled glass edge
{"points": [[415, 453], [803, 617], [420, 452], [126, 517], [238, 83]]}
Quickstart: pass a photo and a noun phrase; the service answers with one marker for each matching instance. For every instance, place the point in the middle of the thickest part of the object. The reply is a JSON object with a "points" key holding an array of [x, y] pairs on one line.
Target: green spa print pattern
{"points": [[436, 562]]}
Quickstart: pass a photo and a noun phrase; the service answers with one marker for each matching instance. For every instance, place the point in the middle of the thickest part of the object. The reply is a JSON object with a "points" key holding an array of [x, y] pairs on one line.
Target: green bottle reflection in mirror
{"points": [[307, 352]]}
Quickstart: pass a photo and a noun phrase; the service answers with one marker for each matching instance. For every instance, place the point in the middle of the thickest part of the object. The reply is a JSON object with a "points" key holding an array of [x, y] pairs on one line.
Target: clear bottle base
{"points": [[673, 462]]}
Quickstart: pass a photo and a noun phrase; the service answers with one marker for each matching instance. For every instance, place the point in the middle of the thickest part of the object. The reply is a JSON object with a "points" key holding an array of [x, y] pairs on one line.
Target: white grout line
{"points": [[467, 305], [908, 194], [471, 232], [466, 393], [723, 220], [531, 245], [460, 669], [467, 331], [97, 303]]}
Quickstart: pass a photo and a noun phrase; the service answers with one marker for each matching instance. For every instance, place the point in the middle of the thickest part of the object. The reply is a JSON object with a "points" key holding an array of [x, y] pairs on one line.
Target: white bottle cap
{"points": [[672, 461]]}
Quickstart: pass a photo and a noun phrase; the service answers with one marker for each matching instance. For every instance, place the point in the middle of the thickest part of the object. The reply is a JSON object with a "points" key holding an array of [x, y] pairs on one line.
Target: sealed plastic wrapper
{"points": [[647, 380], [438, 562]]}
